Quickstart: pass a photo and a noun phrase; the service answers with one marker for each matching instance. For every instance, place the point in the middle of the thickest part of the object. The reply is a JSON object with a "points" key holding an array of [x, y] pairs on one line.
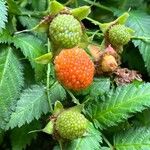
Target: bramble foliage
{"points": [[116, 104]]}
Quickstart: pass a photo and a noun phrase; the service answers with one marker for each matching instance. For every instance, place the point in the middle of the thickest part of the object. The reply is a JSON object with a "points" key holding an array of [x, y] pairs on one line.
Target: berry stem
{"points": [[95, 33], [76, 101], [71, 1], [60, 144], [99, 5], [94, 21], [48, 78], [107, 142]]}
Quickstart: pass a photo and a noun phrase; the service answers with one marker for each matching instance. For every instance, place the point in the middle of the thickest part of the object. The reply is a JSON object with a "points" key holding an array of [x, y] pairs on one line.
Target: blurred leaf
{"points": [[5, 37], [144, 118], [13, 7], [31, 105], [39, 5], [132, 59]]}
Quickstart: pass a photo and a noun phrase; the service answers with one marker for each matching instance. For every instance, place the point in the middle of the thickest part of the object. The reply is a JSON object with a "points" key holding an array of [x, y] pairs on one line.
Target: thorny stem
{"points": [[48, 79], [107, 142], [99, 5]]}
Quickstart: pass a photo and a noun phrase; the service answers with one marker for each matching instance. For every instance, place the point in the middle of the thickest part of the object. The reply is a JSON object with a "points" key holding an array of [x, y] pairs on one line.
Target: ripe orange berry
{"points": [[74, 68]]}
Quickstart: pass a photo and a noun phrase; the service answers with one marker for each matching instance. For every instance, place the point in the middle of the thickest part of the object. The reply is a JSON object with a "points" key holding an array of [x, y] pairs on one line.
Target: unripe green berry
{"points": [[119, 35], [70, 125], [65, 31]]}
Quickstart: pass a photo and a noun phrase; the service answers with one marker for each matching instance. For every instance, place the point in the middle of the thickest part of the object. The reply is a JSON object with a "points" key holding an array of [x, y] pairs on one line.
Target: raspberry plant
{"points": [[74, 75]]}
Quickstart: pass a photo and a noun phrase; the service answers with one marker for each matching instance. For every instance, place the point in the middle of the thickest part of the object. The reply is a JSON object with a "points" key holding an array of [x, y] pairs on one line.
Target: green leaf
{"points": [[5, 37], [39, 5], [49, 128], [99, 87], [57, 92], [55, 7], [3, 14], [32, 48], [81, 12], [13, 7], [20, 137], [28, 22], [57, 107], [91, 141], [31, 105], [144, 118], [140, 22], [11, 82], [44, 59], [134, 139], [121, 103]]}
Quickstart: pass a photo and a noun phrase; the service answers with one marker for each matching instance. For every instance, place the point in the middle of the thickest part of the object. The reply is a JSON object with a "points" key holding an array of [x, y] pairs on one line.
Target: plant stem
{"points": [[48, 79], [99, 5], [60, 144], [95, 33], [69, 2], [36, 14], [107, 142], [93, 21], [145, 39], [76, 101]]}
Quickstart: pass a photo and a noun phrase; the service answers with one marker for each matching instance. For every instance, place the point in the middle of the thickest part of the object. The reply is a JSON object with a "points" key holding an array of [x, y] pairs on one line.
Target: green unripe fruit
{"points": [[119, 35], [65, 31], [70, 125]]}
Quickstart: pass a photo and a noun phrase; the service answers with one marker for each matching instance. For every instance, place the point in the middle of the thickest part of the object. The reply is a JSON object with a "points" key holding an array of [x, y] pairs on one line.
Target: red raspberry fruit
{"points": [[74, 68]]}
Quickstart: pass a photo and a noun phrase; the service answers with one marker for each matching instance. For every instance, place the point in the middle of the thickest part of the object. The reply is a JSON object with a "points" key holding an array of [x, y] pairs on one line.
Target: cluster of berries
{"points": [[75, 69], [73, 66]]}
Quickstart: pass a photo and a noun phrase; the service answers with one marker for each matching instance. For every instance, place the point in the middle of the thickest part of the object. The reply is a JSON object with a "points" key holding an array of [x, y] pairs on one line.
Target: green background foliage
{"points": [[119, 115]]}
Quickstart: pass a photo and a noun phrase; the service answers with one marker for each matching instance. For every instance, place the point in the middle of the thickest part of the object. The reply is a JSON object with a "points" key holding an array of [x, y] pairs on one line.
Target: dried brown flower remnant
{"points": [[125, 76], [108, 61]]}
